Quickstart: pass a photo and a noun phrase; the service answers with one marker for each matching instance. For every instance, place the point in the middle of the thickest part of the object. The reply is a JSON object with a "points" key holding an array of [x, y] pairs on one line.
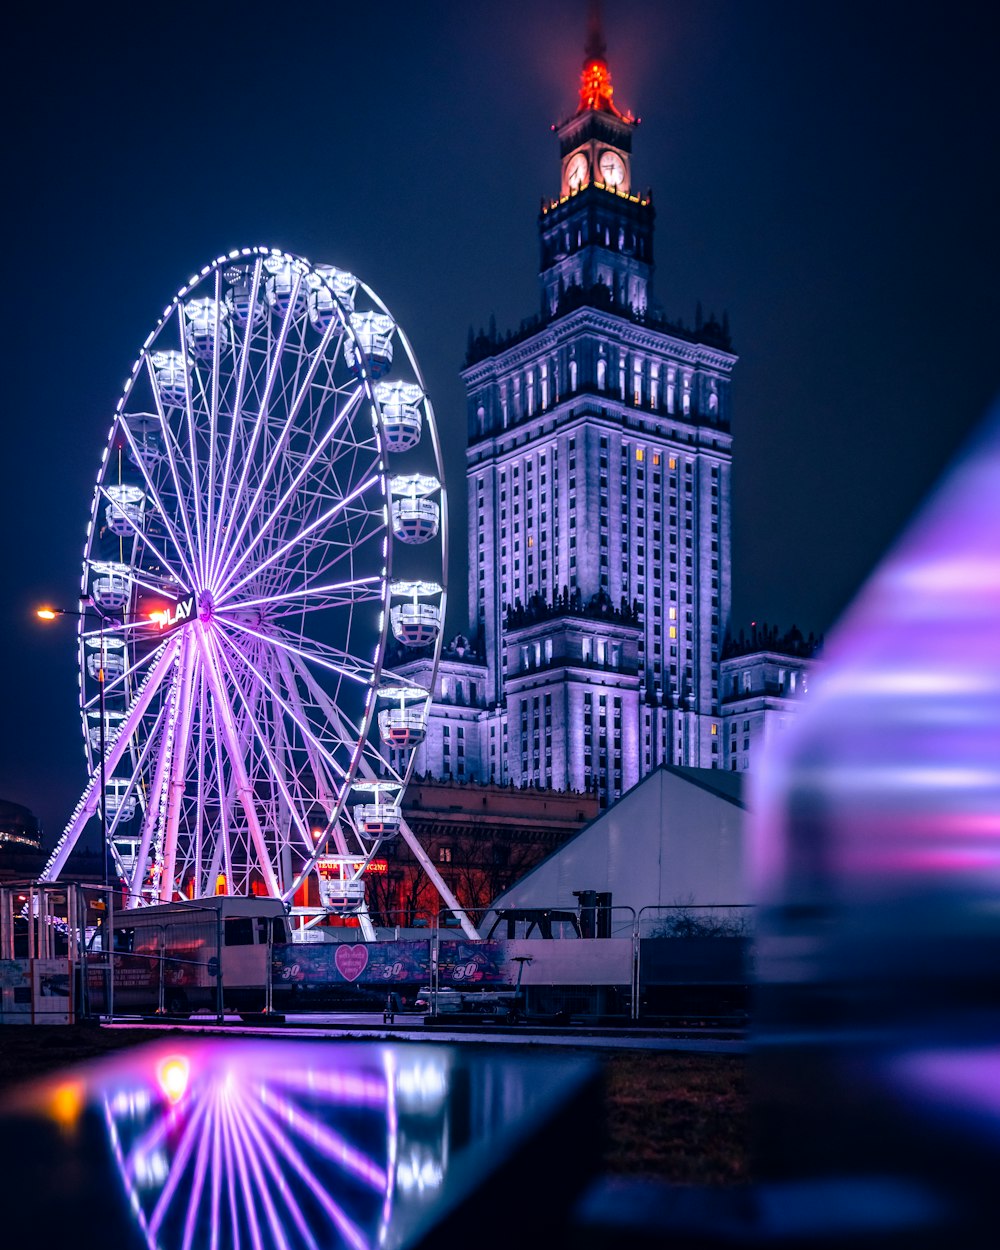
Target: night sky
{"points": [[826, 174]]}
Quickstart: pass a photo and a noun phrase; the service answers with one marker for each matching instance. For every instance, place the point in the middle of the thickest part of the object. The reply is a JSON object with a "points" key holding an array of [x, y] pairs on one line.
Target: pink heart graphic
{"points": [[351, 961]]}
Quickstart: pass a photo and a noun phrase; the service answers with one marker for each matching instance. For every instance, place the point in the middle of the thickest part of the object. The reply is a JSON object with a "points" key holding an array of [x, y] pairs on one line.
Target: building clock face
{"points": [[577, 170], [612, 169]]}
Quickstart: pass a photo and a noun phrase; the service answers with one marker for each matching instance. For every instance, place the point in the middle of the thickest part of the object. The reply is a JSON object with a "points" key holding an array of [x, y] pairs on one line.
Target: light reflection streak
{"points": [[235, 1154]]}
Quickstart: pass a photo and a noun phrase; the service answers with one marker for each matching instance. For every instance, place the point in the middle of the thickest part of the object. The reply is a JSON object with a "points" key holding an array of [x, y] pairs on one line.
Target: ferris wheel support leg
{"points": [[365, 924], [243, 786], [326, 790], [450, 901], [88, 803], [149, 823]]}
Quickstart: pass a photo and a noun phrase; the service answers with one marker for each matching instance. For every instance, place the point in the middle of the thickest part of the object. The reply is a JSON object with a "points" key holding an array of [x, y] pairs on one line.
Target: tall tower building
{"points": [[598, 472]]}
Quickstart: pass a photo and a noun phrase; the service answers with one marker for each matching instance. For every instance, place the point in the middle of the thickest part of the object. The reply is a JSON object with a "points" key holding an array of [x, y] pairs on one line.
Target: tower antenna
{"points": [[596, 47]]}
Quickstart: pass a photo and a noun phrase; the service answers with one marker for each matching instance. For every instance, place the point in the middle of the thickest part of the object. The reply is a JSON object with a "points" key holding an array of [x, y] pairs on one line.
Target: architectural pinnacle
{"points": [[596, 91]]}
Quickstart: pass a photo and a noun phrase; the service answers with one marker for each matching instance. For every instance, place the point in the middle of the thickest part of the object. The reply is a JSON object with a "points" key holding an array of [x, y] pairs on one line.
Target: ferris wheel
{"points": [[269, 511]]}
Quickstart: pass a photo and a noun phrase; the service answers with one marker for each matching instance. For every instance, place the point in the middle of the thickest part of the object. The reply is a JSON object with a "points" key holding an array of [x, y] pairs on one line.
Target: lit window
{"points": [[640, 453], [656, 457], [673, 630], [673, 614], [672, 462], [715, 729]]}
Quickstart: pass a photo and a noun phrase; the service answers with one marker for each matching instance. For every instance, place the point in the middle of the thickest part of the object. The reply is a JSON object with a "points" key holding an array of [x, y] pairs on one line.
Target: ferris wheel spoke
{"points": [[325, 519], [221, 860], [277, 509], [154, 805], [278, 501], [134, 782], [202, 779], [281, 442], [194, 1195], [141, 536], [322, 654], [328, 1144], [122, 682], [346, 733], [192, 462], [261, 1157], [87, 805], [328, 794], [237, 408], [263, 1152], [185, 1147], [291, 707], [169, 442], [213, 429], [233, 1197], [372, 763], [231, 739], [277, 773], [265, 400], [238, 1155], [311, 598], [157, 498]]}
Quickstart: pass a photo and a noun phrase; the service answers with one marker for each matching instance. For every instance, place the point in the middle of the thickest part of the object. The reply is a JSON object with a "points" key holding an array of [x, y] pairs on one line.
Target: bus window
{"points": [[124, 940], [239, 931]]}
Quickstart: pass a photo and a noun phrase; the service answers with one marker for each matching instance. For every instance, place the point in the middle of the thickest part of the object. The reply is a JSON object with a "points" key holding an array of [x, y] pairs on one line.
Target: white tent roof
{"points": [[675, 838]]}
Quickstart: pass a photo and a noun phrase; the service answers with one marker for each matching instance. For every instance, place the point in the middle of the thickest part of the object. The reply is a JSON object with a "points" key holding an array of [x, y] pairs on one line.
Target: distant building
{"points": [[21, 856], [763, 679], [598, 477], [481, 838]]}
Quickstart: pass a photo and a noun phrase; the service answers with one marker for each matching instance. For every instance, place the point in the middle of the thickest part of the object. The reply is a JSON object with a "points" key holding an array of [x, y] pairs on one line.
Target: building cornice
{"points": [[587, 319]]}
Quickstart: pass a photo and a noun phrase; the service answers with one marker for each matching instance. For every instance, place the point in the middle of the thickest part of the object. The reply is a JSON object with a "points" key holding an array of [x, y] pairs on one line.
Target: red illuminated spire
{"points": [[595, 78]]}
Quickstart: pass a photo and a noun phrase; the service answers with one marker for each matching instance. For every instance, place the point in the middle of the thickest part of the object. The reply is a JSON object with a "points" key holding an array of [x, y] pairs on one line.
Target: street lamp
{"points": [[50, 614]]}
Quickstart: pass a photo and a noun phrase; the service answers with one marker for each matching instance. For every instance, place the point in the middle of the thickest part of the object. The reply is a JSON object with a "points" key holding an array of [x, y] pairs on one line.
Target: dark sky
{"points": [[826, 173]]}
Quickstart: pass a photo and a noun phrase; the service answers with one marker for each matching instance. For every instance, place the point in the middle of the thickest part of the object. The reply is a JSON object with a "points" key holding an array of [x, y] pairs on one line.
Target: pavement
{"points": [[408, 1027]]}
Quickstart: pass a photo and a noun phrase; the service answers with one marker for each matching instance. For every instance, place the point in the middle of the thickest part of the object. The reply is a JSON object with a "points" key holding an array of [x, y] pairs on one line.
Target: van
{"points": [[171, 957]]}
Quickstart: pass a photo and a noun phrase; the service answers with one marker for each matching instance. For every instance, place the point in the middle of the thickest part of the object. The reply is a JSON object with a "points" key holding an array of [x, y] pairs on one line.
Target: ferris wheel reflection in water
{"points": [[227, 1148]]}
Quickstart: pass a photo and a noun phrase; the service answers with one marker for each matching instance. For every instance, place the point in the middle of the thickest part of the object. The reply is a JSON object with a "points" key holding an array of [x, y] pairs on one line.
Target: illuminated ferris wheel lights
{"points": [[112, 723], [240, 302], [415, 624], [286, 281], [208, 322], [171, 371], [382, 817], [120, 803], [328, 288], [415, 518], [403, 727], [110, 656], [374, 332], [112, 585], [125, 511], [402, 428]]}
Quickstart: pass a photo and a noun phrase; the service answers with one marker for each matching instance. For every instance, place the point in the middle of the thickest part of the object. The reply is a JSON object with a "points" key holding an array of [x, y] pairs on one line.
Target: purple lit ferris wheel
{"points": [[269, 510]]}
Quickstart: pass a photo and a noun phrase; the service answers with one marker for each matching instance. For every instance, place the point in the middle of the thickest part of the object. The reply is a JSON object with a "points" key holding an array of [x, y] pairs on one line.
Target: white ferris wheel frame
{"points": [[258, 485]]}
